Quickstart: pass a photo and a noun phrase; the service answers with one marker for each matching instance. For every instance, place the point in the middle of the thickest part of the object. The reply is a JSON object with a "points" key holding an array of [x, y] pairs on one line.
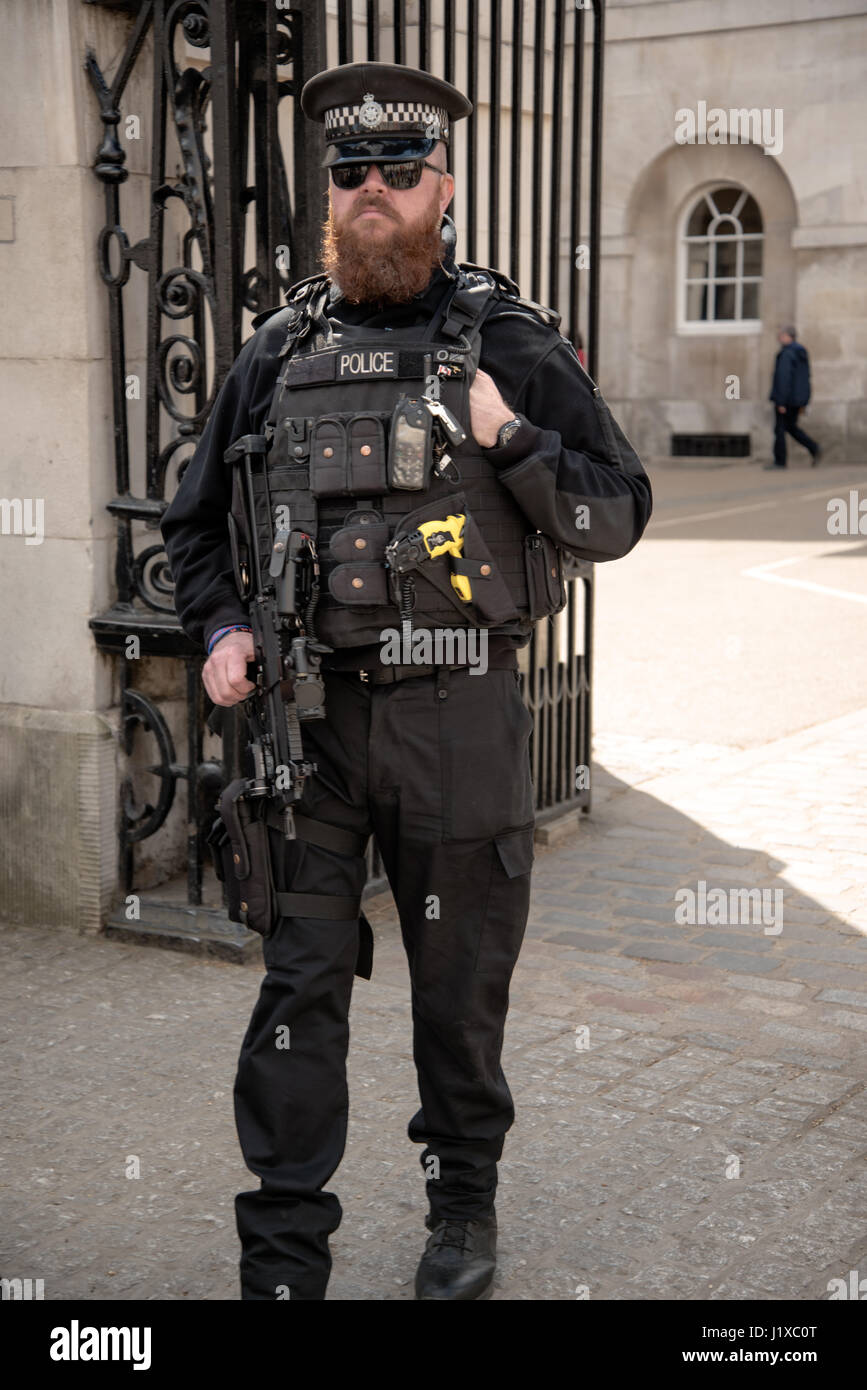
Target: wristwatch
{"points": [[507, 432]]}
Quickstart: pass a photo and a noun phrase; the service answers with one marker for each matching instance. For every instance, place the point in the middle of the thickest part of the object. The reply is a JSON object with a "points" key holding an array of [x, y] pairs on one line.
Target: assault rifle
{"points": [[289, 687]]}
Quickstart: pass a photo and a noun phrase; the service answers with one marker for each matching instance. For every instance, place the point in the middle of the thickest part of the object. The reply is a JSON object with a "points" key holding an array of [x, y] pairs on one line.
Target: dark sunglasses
{"points": [[405, 173]]}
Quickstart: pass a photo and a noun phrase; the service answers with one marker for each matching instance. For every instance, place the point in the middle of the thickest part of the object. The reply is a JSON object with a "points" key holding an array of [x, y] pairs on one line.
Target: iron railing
{"points": [[234, 217]]}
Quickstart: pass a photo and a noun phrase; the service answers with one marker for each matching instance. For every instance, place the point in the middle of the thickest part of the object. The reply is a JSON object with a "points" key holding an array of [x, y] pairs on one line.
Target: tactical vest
{"points": [[325, 473]]}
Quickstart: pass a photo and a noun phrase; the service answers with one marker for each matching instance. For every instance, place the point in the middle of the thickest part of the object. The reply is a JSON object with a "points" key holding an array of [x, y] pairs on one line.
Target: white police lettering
{"points": [[366, 363]]}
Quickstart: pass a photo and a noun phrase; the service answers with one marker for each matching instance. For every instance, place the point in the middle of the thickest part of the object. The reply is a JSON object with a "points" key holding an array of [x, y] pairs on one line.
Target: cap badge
{"points": [[370, 113]]}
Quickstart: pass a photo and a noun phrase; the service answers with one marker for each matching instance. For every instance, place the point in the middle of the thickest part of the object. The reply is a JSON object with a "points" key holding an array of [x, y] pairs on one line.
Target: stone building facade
{"points": [[667, 359]]}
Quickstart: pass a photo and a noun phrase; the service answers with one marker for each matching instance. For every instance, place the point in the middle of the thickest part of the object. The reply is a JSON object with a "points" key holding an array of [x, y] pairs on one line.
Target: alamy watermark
{"points": [[439, 646], [705, 906], [21, 1289], [848, 520], [23, 516], [737, 126], [77, 1343]]}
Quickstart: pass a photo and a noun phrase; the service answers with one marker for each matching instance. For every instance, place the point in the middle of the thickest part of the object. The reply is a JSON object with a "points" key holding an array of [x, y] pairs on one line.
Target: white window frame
{"points": [[704, 327]]}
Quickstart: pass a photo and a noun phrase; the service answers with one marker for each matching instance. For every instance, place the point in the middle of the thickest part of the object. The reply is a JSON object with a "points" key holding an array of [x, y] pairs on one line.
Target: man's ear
{"points": [[447, 191]]}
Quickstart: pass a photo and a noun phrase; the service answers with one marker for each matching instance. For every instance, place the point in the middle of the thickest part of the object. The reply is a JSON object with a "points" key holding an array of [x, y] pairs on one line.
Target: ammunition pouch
{"points": [[546, 587]]}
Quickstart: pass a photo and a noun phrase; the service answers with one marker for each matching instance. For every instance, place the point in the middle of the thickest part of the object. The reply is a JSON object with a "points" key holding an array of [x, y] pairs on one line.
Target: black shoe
{"points": [[817, 454], [459, 1260], [768, 466]]}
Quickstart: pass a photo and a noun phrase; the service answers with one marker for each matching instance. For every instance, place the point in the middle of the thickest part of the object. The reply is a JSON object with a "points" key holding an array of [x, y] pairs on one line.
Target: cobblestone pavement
{"points": [[708, 1142]]}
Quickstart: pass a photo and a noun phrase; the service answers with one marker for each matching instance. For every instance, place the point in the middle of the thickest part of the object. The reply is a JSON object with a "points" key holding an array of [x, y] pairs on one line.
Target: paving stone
{"points": [[844, 1127], [807, 1059], [733, 941], [645, 911], [843, 996], [637, 1096], [759, 984], [652, 950], [669, 1199], [824, 974], [731, 960], [584, 940], [723, 1041], [846, 1019], [840, 955], [822, 1088], [816, 1036], [688, 1109]]}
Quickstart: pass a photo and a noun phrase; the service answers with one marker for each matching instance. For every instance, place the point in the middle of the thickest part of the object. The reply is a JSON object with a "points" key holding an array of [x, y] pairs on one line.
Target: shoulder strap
{"points": [[463, 306], [293, 295], [507, 289]]}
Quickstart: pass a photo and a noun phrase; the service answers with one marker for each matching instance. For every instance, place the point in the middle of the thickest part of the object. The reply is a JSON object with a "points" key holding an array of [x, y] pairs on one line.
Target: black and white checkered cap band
{"points": [[397, 116]]}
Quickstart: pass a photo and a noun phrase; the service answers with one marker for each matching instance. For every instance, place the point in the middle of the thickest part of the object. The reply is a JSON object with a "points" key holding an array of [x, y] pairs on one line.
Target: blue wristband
{"points": [[224, 632]]}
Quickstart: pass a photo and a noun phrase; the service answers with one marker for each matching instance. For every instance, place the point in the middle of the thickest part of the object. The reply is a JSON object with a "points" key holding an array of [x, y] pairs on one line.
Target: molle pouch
{"points": [[296, 441], [359, 584], [546, 589], [410, 446], [360, 541], [239, 846], [329, 475], [366, 445], [491, 599]]}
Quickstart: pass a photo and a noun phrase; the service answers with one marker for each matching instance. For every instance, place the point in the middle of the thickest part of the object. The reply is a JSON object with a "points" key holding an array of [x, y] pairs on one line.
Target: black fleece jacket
{"points": [[562, 458]]}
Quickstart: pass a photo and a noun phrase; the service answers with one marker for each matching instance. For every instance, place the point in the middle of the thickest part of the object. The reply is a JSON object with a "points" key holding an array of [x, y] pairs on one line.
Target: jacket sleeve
{"points": [[781, 388], [194, 526], [570, 467]]}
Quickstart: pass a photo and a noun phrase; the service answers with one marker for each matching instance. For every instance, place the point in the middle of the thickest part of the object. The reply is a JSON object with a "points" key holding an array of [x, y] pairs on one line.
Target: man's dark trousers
{"points": [[786, 422], [437, 767]]}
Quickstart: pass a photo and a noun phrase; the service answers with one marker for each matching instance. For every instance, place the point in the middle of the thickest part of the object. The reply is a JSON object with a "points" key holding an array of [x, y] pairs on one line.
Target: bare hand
{"points": [[224, 673], [488, 410], [781, 410]]}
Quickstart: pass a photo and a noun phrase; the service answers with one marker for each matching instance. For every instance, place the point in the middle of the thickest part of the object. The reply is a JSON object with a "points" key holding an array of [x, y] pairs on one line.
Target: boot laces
{"points": [[451, 1233]]}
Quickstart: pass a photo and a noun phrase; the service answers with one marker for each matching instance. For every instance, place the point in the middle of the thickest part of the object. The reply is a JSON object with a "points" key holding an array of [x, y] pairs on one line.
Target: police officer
{"points": [[436, 441]]}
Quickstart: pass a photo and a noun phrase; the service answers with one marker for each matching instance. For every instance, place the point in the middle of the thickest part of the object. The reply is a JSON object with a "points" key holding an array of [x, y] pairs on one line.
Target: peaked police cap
{"points": [[381, 111]]}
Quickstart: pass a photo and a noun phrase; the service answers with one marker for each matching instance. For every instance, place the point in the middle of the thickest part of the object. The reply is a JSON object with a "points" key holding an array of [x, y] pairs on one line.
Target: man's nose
{"points": [[374, 178]]}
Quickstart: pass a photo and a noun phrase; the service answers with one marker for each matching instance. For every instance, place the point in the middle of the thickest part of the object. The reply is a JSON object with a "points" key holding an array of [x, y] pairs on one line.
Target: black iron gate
{"points": [[235, 206]]}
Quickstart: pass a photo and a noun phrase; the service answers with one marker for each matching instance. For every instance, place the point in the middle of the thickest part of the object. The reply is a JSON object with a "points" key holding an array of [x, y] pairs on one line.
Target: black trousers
{"points": [[437, 767], [786, 422]]}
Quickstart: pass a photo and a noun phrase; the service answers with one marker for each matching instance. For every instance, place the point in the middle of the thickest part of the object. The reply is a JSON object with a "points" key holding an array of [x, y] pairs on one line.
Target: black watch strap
{"points": [[507, 432]]}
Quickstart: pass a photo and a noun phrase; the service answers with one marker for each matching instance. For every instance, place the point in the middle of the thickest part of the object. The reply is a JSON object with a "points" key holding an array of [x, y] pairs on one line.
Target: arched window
{"points": [[722, 261]]}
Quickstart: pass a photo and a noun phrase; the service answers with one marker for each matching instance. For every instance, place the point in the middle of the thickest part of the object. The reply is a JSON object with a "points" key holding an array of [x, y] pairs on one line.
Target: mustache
{"points": [[376, 204]]}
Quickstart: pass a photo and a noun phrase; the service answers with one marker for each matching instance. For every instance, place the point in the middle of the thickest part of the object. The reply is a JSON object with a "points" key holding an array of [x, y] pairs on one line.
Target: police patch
{"points": [[370, 362]]}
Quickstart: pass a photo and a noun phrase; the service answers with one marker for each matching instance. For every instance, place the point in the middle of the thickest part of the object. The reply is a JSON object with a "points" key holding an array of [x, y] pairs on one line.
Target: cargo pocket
{"points": [[483, 732], [508, 901], [546, 589]]}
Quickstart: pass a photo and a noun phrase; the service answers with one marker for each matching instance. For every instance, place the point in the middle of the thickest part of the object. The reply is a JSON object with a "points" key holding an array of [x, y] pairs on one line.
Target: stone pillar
{"points": [[57, 743]]}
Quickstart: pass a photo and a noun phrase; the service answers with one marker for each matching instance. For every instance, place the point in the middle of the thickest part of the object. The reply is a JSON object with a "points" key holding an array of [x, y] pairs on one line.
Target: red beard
{"points": [[380, 269]]}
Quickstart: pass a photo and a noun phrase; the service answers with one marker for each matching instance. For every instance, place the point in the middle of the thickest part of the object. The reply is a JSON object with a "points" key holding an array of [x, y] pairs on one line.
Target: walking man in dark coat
{"points": [[790, 392]]}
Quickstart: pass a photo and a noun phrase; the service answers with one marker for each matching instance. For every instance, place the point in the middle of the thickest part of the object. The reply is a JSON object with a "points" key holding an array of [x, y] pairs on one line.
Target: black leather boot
{"points": [[459, 1259]]}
